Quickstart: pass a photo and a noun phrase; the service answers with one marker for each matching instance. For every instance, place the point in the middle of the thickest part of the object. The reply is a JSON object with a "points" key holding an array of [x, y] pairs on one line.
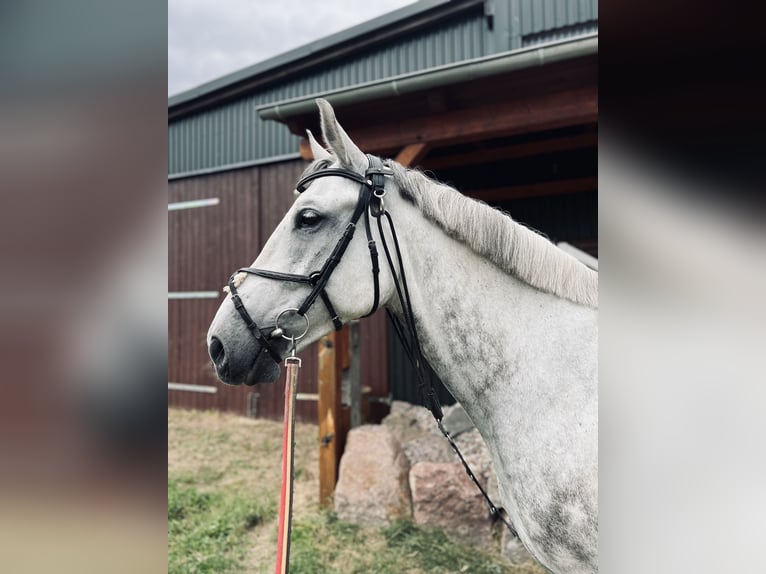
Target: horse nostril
{"points": [[216, 352]]}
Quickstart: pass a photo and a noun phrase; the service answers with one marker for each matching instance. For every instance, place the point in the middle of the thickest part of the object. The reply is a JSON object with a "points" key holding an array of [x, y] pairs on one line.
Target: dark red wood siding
{"points": [[205, 245]]}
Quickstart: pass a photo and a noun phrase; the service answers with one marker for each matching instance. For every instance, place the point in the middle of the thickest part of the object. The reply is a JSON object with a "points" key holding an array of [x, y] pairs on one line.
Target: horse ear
{"points": [[317, 150], [338, 140]]}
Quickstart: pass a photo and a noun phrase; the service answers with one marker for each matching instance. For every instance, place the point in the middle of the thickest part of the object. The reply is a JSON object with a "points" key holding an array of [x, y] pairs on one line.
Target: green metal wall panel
{"points": [[538, 15], [232, 134], [556, 34]]}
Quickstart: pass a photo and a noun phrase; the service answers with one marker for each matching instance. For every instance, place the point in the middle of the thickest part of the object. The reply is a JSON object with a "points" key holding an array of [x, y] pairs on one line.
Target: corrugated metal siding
{"points": [[228, 135], [233, 133], [207, 244], [559, 34], [538, 15], [449, 43]]}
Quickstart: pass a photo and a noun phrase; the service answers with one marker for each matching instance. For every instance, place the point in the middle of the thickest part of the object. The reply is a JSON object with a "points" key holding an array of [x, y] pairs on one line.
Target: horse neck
{"points": [[477, 322]]}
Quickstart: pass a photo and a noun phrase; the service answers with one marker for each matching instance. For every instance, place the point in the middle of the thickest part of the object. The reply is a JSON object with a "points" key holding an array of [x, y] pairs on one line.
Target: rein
{"points": [[411, 344], [293, 365], [370, 202]]}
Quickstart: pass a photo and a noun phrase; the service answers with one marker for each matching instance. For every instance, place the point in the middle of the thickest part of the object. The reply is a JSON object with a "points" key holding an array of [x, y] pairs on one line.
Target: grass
{"points": [[207, 530], [436, 553], [223, 492], [325, 545]]}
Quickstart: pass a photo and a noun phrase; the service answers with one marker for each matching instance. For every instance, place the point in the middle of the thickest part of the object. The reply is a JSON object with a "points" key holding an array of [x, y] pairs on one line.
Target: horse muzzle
{"points": [[240, 365]]}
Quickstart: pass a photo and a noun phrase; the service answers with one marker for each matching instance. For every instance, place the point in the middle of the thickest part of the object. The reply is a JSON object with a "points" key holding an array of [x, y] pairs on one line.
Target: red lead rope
{"points": [[293, 365]]}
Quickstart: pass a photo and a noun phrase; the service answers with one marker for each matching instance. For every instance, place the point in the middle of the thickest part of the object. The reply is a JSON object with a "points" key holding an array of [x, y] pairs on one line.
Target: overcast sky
{"points": [[210, 38]]}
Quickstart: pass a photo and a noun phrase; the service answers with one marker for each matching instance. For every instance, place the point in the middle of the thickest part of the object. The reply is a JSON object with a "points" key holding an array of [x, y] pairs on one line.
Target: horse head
{"points": [[313, 274]]}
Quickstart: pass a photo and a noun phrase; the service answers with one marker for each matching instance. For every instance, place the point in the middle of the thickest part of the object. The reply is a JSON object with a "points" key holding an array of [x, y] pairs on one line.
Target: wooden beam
{"points": [[333, 358], [343, 350], [413, 154], [516, 151], [536, 189], [513, 116], [329, 412]]}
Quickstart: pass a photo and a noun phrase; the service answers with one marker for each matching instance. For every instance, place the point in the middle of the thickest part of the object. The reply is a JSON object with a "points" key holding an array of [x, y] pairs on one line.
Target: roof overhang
{"points": [[543, 87]]}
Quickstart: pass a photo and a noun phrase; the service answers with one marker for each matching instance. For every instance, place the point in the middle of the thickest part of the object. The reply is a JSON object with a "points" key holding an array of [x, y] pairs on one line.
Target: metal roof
{"points": [[363, 31], [440, 76], [216, 127]]}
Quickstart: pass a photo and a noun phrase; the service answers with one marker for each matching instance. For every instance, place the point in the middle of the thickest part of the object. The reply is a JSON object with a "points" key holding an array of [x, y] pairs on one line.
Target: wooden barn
{"points": [[496, 97]]}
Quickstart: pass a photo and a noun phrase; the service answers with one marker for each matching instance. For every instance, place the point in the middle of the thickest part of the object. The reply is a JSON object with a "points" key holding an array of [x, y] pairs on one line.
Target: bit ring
{"points": [[283, 332]]}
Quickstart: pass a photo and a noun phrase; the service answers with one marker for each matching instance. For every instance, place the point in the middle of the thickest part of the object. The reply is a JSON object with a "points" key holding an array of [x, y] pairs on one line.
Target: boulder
{"points": [[476, 453], [409, 422], [444, 496], [421, 439], [405, 467], [372, 488], [429, 448]]}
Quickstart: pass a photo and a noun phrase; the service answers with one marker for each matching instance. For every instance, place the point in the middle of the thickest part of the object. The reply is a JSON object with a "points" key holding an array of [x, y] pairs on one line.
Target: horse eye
{"points": [[308, 218]]}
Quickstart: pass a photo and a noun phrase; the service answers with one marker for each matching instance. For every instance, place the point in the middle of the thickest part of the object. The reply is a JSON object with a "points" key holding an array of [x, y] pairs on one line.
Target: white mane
{"points": [[493, 234]]}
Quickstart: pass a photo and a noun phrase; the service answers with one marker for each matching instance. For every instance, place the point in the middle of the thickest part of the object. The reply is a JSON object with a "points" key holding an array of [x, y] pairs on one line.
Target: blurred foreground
{"points": [[83, 289]]}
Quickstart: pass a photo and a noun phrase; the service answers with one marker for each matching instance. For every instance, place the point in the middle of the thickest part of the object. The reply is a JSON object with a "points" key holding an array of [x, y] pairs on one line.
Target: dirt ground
{"points": [[228, 451]]}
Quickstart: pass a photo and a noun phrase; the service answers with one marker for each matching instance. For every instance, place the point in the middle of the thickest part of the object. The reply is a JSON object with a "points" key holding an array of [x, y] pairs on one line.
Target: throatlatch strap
{"points": [[430, 400]]}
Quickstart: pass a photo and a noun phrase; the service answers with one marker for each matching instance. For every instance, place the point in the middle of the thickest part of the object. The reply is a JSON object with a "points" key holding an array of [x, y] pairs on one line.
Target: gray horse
{"points": [[506, 319]]}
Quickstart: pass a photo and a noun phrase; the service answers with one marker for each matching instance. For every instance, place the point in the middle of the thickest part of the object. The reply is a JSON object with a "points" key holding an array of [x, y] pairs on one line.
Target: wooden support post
{"points": [[354, 376], [328, 411], [333, 357]]}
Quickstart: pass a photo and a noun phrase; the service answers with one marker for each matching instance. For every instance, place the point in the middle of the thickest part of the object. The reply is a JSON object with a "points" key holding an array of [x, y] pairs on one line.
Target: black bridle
{"points": [[370, 202]]}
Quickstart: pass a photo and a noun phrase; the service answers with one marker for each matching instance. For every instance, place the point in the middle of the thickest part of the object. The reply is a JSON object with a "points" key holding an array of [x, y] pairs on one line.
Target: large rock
{"points": [[444, 496], [372, 488], [475, 453], [417, 431], [409, 422], [430, 448]]}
